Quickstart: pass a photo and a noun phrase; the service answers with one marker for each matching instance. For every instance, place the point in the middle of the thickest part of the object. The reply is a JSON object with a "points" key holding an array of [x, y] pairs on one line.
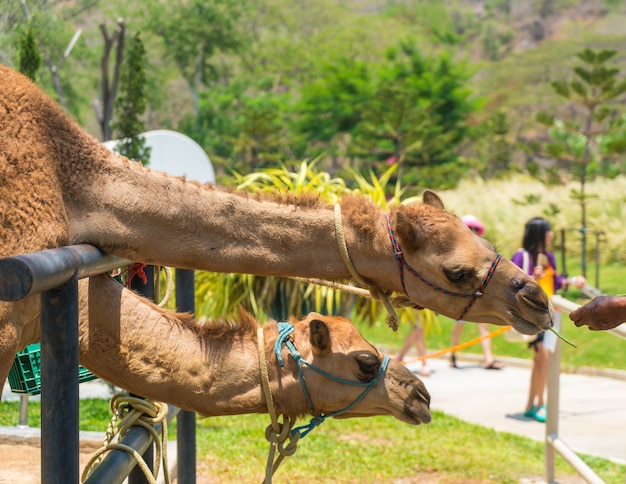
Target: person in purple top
{"points": [[535, 259]]}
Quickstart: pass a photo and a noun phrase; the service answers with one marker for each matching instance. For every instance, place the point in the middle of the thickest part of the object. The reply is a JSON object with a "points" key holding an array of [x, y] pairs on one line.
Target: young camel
{"points": [[213, 369], [60, 186]]}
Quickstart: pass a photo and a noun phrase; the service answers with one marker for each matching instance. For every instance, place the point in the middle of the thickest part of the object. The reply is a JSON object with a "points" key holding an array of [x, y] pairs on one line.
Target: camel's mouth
{"points": [[532, 312], [524, 326], [416, 408], [405, 398]]}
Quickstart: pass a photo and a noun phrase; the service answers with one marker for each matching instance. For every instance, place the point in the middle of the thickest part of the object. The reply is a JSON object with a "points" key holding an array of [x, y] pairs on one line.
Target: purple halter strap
{"points": [[402, 263]]}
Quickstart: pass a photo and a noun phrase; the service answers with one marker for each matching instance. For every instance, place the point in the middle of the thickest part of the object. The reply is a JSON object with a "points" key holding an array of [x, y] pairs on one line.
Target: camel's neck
{"points": [[152, 218], [86, 194], [212, 372]]}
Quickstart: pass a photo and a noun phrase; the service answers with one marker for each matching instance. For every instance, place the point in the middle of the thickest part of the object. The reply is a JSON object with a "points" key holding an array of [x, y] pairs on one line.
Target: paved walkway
{"points": [[592, 408], [592, 411]]}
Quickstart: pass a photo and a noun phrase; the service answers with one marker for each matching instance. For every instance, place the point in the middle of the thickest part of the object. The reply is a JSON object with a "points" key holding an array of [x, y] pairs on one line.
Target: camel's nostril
{"points": [[518, 284]]}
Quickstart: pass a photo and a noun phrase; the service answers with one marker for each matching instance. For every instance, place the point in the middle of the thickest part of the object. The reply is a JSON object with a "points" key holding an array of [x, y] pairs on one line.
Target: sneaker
{"points": [[540, 413]]}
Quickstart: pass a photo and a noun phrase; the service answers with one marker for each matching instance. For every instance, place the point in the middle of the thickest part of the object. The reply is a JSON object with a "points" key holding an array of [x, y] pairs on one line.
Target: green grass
{"points": [[378, 449]]}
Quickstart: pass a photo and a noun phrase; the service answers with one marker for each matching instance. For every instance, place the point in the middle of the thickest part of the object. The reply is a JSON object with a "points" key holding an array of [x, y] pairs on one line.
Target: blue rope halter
{"points": [[284, 330], [402, 263]]}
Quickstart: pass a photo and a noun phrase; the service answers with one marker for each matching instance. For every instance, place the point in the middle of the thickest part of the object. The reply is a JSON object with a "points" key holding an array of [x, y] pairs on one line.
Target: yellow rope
{"points": [[459, 346], [277, 433], [128, 411], [335, 285], [375, 292]]}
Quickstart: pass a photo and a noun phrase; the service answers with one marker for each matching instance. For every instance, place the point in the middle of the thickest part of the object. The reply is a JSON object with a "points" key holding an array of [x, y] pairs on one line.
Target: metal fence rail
{"points": [[54, 273]]}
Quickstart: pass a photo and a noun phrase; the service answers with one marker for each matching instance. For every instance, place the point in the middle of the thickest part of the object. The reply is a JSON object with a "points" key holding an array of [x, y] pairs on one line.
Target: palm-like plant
{"points": [[220, 294]]}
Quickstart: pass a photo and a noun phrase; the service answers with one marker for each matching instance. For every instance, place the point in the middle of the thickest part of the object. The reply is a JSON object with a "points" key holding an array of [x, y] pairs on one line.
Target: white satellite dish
{"points": [[175, 154]]}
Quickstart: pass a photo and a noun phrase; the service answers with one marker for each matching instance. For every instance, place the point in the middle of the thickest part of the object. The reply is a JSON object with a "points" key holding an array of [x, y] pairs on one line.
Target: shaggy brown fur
{"points": [[59, 186]]}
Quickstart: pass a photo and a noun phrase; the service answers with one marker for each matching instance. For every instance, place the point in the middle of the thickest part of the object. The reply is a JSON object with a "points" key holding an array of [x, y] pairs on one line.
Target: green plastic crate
{"points": [[25, 374]]}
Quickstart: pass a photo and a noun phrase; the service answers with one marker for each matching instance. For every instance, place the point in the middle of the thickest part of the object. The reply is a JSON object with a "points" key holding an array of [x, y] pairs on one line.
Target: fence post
{"points": [[552, 420], [23, 423], [137, 475], [59, 384], [186, 421], [54, 274]]}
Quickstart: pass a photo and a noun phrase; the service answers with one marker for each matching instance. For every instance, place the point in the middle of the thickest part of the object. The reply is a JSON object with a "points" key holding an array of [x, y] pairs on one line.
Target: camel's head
{"points": [[452, 271], [345, 376]]}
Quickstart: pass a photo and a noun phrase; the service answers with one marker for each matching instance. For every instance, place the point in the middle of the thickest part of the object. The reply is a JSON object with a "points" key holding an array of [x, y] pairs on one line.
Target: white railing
{"points": [[553, 442]]}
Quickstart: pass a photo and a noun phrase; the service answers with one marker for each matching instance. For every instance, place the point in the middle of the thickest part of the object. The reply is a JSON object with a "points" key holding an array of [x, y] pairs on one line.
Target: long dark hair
{"points": [[535, 236]]}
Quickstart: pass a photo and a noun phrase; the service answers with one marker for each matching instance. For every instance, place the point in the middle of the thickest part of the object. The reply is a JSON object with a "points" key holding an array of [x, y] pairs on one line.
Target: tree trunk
{"points": [[104, 106]]}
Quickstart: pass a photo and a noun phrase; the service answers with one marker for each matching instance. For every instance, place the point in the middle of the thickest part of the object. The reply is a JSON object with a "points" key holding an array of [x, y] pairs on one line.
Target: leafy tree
{"points": [[213, 127], [408, 109], [131, 102], [495, 41], [241, 125], [585, 145], [192, 33], [259, 128], [418, 115], [50, 25], [30, 57], [491, 149], [332, 106]]}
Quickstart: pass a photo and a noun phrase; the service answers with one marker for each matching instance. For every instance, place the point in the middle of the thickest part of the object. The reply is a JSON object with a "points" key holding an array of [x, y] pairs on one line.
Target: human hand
{"points": [[601, 313], [578, 281]]}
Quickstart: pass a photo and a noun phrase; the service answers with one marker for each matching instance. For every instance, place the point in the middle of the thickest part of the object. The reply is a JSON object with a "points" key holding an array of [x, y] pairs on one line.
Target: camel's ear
{"points": [[409, 237], [431, 198], [320, 337]]}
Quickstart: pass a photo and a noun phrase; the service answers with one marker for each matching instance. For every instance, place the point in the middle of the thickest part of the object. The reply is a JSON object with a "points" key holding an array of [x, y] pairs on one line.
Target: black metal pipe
{"points": [[186, 421], [55, 274], [27, 274], [118, 464], [146, 289], [59, 384]]}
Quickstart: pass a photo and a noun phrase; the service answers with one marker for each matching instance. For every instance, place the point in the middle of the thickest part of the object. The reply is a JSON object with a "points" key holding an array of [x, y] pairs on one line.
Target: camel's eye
{"points": [[369, 366], [460, 276]]}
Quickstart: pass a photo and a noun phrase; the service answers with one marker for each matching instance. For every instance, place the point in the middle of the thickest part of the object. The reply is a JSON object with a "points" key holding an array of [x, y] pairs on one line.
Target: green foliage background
{"points": [[448, 89]]}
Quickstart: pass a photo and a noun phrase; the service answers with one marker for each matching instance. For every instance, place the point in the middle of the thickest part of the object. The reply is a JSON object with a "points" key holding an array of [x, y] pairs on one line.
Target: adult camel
{"points": [[60, 186]]}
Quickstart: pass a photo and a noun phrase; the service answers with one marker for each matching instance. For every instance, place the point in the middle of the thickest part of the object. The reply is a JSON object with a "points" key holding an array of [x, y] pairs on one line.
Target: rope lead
{"points": [[375, 292], [128, 411], [277, 433]]}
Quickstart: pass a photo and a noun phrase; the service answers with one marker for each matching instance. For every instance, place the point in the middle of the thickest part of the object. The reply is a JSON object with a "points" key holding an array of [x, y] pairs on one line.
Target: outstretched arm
{"points": [[601, 313]]}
